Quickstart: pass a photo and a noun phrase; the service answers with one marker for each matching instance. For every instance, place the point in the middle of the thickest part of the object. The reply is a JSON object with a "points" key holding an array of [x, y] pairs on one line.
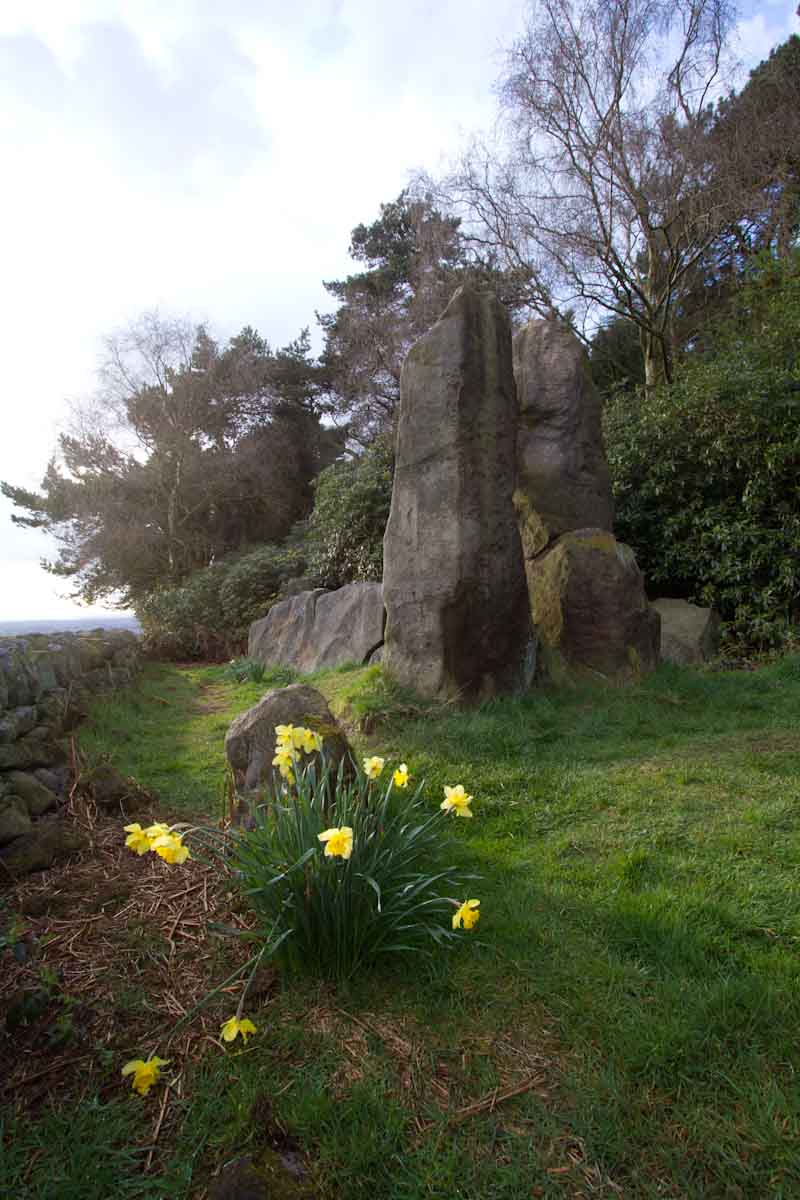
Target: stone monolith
{"points": [[458, 619]]}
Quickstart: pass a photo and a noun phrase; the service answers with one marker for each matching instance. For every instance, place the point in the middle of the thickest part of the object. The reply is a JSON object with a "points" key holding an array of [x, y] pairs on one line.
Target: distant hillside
{"points": [[70, 625]]}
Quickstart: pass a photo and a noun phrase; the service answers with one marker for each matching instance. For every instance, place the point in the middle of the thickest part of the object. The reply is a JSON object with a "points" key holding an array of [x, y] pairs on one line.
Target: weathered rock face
{"points": [[454, 586], [563, 479], [319, 629], [46, 683], [590, 610], [250, 741], [689, 634]]}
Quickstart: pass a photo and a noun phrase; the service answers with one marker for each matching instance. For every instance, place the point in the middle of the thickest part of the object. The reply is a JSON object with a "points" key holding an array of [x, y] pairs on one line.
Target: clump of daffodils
{"points": [[339, 872], [290, 742], [160, 839]]}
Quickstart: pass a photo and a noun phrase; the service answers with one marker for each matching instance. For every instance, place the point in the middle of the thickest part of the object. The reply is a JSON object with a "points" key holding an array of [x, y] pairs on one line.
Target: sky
{"points": [[209, 161]]}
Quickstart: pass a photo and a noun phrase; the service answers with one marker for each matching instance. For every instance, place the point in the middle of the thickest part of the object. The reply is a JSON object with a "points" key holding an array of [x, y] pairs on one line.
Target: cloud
{"points": [[145, 115]]}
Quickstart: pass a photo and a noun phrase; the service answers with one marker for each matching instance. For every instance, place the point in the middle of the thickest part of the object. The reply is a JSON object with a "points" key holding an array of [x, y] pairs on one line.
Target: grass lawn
{"points": [[622, 1022]]}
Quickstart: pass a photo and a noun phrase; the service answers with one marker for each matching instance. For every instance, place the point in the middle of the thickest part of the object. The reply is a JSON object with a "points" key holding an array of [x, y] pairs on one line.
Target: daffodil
{"points": [[235, 1026], [137, 839], [457, 801], [400, 777], [145, 1074], [170, 847], [284, 760], [156, 831], [284, 757], [285, 734], [311, 741], [467, 915], [373, 766], [338, 842]]}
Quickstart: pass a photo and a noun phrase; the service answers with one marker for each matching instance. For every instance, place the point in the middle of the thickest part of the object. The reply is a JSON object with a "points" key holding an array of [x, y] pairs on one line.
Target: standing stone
{"points": [[458, 619], [563, 478]]}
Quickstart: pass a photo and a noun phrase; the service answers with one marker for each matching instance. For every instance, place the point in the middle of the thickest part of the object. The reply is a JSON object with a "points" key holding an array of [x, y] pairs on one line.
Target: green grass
{"points": [[638, 952]]}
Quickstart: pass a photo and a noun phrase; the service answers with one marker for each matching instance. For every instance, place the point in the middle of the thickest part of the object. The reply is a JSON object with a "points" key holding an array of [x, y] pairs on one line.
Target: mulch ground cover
{"points": [[116, 950]]}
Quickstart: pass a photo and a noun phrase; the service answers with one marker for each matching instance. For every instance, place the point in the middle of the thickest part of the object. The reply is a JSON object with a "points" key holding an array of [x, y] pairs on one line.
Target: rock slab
{"points": [[318, 629], [590, 610], [458, 619], [563, 478], [690, 635]]}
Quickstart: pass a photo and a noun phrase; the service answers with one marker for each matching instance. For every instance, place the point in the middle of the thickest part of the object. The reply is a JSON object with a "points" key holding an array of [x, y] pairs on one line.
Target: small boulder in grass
{"points": [[250, 741]]}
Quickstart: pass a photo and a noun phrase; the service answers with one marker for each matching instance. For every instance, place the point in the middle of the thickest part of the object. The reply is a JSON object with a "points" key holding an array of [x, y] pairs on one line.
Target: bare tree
{"points": [[606, 191]]}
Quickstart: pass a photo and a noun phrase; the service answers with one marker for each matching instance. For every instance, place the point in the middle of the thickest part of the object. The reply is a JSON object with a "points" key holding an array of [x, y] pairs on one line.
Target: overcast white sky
{"points": [[210, 160]]}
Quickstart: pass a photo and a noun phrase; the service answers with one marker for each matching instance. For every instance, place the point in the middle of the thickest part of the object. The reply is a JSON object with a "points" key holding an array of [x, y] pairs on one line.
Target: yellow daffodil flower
{"points": [[338, 842], [467, 915], [156, 831], [145, 1074], [284, 734], [400, 776], [284, 760], [373, 766], [311, 741], [456, 801], [234, 1026], [137, 839], [170, 847]]}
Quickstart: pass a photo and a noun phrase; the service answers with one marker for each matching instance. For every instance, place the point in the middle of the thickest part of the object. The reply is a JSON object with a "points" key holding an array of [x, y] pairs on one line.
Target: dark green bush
{"points": [[706, 472], [208, 616], [344, 534]]}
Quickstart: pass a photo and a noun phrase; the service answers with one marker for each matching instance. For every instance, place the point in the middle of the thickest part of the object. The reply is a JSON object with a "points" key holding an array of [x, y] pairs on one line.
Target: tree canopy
{"points": [[191, 451]]}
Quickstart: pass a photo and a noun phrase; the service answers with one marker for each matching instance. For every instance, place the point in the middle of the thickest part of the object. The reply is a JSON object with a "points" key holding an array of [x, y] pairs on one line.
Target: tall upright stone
{"points": [[563, 478], [458, 619]]}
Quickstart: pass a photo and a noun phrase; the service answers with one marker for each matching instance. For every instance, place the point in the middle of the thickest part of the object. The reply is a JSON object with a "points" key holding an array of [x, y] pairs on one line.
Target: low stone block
{"points": [[250, 741], [319, 629], [690, 635], [590, 610]]}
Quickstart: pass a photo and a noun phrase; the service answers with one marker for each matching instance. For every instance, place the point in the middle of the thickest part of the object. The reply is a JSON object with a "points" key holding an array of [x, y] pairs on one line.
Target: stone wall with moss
{"points": [[46, 684]]}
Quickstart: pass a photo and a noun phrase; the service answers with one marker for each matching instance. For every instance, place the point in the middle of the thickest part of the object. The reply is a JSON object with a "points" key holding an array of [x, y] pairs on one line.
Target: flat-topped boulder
{"points": [[590, 610], [458, 619], [318, 629]]}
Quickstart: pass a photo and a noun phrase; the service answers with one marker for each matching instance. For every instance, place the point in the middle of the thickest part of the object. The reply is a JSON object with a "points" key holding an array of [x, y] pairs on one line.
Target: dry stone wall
{"points": [[46, 684]]}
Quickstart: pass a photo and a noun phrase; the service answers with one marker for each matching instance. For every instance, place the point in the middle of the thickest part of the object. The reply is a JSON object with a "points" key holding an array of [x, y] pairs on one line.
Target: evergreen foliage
{"points": [[706, 471], [344, 535], [207, 616]]}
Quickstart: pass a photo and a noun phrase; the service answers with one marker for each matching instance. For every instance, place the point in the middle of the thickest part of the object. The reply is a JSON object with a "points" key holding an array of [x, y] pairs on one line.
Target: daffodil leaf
{"points": [[374, 885]]}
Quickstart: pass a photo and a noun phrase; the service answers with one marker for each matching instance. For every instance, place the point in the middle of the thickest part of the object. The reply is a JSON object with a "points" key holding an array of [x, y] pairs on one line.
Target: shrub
{"points": [[344, 534], [208, 616], [705, 471]]}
